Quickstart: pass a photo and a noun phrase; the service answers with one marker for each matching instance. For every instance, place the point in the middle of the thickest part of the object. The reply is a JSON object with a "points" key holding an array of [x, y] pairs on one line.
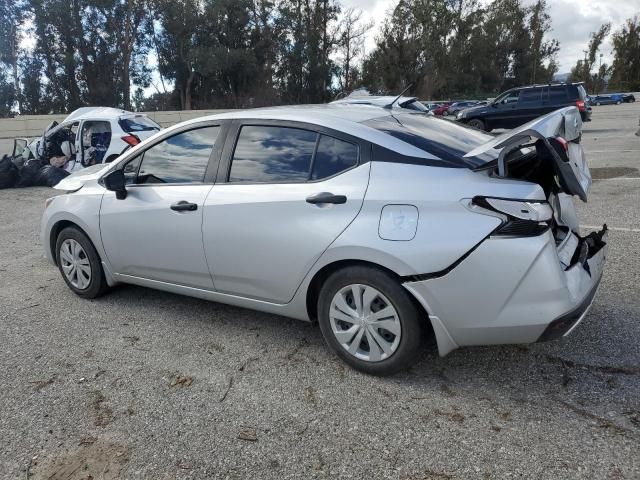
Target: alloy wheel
{"points": [[365, 323], [75, 264]]}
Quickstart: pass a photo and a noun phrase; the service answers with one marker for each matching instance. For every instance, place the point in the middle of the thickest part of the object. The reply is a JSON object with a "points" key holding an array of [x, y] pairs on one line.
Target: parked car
{"points": [[628, 98], [521, 105], [609, 99], [385, 101], [442, 109], [87, 136], [457, 106], [380, 225]]}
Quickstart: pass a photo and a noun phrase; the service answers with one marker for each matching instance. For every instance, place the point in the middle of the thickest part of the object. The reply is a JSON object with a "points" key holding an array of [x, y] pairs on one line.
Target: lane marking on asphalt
{"points": [[615, 229], [613, 151]]}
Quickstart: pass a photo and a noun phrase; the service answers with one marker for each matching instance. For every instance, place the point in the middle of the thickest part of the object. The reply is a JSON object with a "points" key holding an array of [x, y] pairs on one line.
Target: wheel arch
{"points": [[320, 276]]}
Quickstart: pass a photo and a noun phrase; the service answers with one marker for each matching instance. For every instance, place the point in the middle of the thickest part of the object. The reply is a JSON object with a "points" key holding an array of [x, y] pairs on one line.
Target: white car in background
{"points": [[88, 136], [360, 97]]}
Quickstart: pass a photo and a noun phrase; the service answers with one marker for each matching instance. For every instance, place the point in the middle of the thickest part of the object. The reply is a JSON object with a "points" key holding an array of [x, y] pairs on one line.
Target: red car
{"points": [[442, 109]]}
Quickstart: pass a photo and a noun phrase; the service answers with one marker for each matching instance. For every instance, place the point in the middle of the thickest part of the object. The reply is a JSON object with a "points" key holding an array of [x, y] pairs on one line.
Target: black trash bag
{"points": [[49, 176], [8, 172], [29, 173]]}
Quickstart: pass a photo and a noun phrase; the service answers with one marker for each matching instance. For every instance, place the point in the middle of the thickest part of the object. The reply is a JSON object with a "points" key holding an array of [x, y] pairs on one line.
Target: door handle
{"points": [[184, 206], [326, 197]]}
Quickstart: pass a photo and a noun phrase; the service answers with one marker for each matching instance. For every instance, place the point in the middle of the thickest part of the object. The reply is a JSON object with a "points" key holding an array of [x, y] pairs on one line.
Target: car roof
{"points": [[107, 113], [342, 117], [379, 100]]}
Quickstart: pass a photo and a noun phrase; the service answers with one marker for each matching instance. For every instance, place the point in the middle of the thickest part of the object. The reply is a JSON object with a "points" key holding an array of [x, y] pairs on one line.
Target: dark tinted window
{"points": [[272, 154], [139, 123], [577, 92], [449, 141], [557, 94], [531, 95], [182, 158], [332, 157]]}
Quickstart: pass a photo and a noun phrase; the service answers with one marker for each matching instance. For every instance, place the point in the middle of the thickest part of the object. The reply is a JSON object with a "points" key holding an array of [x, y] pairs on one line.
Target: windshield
{"points": [[445, 139], [138, 123]]}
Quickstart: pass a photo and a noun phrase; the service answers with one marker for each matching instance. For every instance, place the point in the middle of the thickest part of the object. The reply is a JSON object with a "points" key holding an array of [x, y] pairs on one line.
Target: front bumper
{"points": [[510, 290]]}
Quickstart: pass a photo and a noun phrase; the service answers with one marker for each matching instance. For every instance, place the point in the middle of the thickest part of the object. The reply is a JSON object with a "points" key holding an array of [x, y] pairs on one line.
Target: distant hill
{"points": [[561, 77]]}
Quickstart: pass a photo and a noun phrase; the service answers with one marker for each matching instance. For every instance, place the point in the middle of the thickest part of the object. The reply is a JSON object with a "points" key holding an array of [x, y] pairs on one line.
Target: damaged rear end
{"points": [[548, 152], [536, 275]]}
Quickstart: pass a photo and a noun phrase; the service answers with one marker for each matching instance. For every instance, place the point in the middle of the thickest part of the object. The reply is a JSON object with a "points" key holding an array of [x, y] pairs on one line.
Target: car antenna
{"points": [[390, 106]]}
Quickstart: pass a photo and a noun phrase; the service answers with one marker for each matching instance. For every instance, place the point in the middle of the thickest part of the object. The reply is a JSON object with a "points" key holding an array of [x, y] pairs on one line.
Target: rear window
{"points": [[442, 138], [415, 105], [139, 123], [577, 92]]}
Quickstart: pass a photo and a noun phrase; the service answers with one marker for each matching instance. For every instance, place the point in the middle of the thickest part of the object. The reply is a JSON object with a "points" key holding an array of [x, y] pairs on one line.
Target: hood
{"points": [[76, 180]]}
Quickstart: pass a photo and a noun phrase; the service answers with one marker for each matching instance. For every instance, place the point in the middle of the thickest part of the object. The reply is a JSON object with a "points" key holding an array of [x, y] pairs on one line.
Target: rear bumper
{"points": [[510, 290]]}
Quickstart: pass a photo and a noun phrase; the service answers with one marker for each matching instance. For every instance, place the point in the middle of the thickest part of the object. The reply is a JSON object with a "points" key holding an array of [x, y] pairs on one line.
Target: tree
{"points": [[581, 72], [350, 45], [12, 15], [626, 63]]}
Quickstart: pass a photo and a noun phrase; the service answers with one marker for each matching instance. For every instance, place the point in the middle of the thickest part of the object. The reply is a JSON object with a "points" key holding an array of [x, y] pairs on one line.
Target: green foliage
{"points": [[58, 55], [453, 46], [626, 64], [581, 72]]}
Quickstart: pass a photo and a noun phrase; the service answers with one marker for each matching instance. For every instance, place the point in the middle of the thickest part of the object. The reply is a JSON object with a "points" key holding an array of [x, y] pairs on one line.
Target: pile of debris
{"points": [[33, 172]]}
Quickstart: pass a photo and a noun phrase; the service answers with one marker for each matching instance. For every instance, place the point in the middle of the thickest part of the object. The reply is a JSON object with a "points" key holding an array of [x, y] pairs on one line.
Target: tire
{"points": [[445, 113], [598, 104], [76, 261], [477, 123], [394, 351], [618, 102]]}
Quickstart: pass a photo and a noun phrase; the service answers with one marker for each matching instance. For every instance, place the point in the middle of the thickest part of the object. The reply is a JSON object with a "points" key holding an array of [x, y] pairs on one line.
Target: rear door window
{"points": [[530, 96], [332, 157], [182, 158], [266, 154]]}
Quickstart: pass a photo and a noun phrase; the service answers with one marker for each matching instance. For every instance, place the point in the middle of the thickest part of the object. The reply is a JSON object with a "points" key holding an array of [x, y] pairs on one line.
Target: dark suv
{"points": [[520, 105]]}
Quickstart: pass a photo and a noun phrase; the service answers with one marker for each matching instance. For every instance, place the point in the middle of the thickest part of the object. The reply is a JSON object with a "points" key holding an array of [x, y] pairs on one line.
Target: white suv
{"points": [[88, 136]]}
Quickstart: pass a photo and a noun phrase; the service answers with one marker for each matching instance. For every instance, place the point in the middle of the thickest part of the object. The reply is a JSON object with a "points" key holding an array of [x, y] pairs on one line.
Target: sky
{"points": [[572, 22]]}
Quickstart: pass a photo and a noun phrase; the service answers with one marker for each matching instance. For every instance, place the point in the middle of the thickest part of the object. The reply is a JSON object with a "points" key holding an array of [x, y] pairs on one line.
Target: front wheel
{"points": [[369, 320], [477, 123], [79, 263], [618, 102]]}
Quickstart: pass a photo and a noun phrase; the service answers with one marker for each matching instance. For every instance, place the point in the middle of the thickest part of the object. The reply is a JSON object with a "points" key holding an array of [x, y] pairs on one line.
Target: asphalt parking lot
{"points": [[145, 384]]}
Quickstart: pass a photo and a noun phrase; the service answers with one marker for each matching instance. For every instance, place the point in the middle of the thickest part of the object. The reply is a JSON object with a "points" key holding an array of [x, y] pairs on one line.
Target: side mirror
{"points": [[115, 182]]}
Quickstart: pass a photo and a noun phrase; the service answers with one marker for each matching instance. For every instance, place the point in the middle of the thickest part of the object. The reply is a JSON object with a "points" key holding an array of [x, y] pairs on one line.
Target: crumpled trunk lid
{"points": [[559, 134]]}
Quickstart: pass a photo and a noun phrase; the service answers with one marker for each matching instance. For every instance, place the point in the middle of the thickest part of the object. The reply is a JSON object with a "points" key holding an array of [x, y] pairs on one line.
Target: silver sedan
{"points": [[384, 227]]}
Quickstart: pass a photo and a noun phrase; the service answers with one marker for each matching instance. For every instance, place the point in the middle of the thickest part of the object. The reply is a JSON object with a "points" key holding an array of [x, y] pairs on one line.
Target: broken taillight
{"points": [[131, 140], [519, 217], [563, 142]]}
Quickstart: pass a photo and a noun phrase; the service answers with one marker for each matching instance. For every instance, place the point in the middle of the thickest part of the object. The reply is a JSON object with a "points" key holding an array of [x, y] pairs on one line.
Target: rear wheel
{"points": [[369, 320], [477, 123], [79, 263]]}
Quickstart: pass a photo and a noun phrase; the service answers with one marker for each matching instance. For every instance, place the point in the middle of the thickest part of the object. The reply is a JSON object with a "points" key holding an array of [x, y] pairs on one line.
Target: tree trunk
{"points": [[187, 90]]}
